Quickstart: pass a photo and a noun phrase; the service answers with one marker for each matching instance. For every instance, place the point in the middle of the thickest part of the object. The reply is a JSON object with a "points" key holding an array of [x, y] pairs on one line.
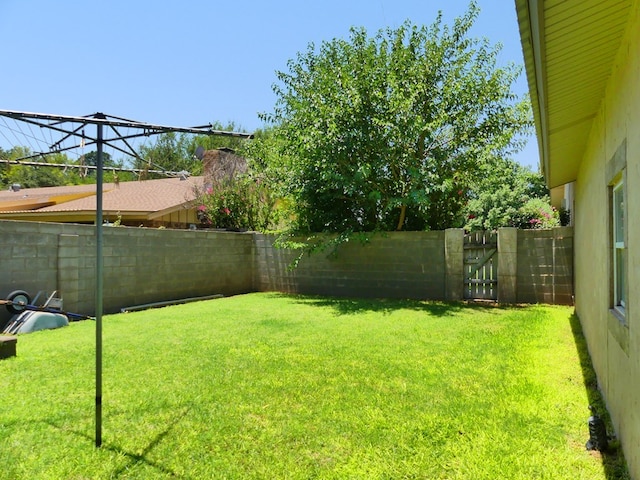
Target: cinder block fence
{"points": [[144, 265], [533, 266]]}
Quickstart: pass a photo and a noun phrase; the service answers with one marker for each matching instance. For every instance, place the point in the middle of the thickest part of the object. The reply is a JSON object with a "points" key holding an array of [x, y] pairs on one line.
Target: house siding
{"points": [[614, 347]]}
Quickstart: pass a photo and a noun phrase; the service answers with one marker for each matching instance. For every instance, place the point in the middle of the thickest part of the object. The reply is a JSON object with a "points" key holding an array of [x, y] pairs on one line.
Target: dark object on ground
{"points": [[597, 433], [7, 346], [16, 301]]}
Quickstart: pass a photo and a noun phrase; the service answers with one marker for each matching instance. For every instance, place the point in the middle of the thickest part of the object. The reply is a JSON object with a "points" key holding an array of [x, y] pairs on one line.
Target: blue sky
{"points": [[192, 62]]}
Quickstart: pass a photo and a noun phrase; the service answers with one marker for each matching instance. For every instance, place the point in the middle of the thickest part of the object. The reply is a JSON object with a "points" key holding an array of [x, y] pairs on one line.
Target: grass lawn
{"points": [[266, 386]]}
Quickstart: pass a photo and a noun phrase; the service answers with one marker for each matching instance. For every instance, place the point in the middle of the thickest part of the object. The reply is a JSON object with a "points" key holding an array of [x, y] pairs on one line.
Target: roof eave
{"points": [[570, 50], [530, 14], [189, 205]]}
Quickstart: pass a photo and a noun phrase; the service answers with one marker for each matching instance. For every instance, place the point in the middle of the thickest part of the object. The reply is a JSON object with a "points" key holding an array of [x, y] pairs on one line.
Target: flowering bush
{"points": [[537, 213], [242, 204], [202, 214], [509, 195]]}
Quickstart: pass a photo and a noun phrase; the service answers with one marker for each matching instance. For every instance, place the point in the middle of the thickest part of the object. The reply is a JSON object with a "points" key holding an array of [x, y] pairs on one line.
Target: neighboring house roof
{"points": [[32, 198], [147, 198], [569, 50]]}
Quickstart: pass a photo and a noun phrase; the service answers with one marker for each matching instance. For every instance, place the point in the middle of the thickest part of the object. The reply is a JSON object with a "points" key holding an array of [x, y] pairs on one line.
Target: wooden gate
{"points": [[481, 265]]}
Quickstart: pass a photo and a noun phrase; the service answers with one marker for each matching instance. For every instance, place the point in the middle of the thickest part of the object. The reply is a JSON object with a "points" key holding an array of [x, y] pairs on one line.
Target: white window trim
{"points": [[619, 246]]}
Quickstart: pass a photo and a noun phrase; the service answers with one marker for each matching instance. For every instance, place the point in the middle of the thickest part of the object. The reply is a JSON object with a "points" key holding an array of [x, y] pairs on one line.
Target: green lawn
{"points": [[269, 386]]}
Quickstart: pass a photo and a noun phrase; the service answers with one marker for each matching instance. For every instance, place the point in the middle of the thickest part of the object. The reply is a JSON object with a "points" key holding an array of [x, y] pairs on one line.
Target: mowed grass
{"points": [[266, 386]]}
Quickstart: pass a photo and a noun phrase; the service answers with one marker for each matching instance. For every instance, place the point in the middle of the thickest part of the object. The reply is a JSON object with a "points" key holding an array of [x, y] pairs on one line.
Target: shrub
{"points": [[537, 213], [244, 203]]}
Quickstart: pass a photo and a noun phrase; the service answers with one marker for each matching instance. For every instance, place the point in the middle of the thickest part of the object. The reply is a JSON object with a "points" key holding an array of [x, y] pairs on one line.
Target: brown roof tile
{"points": [[139, 196]]}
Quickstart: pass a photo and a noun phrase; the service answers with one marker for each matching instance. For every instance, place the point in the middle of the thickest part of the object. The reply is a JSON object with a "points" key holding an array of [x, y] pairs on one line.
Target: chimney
{"points": [[209, 160], [221, 165]]}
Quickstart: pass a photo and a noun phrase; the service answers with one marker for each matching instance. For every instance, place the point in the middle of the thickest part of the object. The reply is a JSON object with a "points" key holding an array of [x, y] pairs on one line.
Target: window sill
{"points": [[619, 313], [619, 329]]}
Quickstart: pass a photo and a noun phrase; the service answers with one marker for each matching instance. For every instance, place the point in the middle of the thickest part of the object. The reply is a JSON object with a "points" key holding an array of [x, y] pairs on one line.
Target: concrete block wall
{"points": [[28, 258], [149, 265], [545, 266], [28, 255], [454, 263], [140, 265], [144, 265], [391, 265]]}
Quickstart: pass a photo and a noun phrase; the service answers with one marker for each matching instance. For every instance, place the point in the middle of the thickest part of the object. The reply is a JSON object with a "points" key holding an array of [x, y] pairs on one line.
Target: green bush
{"points": [[537, 213], [245, 203]]}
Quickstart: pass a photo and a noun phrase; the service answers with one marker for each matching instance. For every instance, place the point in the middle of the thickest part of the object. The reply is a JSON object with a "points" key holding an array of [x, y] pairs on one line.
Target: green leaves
{"points": [[377, 128], [510, 195], [244, 203]]}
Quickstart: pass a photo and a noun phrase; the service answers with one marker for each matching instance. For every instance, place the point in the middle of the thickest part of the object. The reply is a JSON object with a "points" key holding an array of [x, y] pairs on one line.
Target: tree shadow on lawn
{"points": [[132, 458], [351, 306], [613, 460]]}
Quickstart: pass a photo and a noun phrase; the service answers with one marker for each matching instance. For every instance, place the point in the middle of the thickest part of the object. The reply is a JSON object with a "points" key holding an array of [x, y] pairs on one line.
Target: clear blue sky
{"points": [[191, 62]]}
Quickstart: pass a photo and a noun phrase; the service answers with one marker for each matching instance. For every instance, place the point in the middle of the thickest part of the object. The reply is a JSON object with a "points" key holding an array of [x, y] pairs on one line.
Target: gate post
{"points": [[454, 264], [507, 264]]}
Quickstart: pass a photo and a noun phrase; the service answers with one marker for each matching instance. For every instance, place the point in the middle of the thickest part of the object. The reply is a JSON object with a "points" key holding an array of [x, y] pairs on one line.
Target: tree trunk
{"points": [[403, 213]]}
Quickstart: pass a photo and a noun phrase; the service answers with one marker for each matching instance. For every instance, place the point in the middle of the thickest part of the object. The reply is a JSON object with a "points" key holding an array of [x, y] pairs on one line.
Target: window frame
{"points": [[618, 244], [618, 258]]}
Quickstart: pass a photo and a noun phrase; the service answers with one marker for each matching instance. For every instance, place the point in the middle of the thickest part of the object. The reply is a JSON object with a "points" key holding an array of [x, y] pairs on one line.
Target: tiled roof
{"points": [[138, 196], [32, 199], [45, 193]]}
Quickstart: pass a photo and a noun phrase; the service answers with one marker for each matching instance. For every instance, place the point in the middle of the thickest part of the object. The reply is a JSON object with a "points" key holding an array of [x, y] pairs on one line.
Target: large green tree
{"points": [[4, 168], [388, 132], [169, 152]]}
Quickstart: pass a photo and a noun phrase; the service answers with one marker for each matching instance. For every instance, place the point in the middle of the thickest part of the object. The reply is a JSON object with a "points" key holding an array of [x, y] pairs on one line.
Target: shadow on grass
{"points": [[133, 458], [615, 466], [349, 306]]}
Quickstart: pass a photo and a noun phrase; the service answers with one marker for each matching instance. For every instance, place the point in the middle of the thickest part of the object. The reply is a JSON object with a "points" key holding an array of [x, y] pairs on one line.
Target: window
{"points": [[619, 249], [617, 224]]}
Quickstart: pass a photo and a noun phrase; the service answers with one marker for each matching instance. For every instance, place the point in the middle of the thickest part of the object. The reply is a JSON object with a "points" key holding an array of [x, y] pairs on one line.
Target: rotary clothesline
{"points": [[69, 135], [34, 150], [73, 134]]}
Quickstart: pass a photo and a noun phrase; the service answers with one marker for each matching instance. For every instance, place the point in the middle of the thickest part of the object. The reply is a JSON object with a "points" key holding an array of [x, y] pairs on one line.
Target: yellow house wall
{"points": [[178, 219], [614, 347]]}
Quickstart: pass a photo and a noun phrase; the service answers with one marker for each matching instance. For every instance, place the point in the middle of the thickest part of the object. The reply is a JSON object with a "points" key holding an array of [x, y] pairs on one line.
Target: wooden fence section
{"points": [[481, 265]]}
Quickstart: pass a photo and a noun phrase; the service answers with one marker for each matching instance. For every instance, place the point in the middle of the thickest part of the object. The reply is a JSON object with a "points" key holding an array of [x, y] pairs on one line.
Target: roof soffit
{"points": [[569, 49]]}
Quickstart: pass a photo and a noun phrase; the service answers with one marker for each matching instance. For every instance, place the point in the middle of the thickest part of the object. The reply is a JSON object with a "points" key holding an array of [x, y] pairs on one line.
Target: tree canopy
{"points": [[409, 129], [392, 131], [67, 173], [30, 177]]}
